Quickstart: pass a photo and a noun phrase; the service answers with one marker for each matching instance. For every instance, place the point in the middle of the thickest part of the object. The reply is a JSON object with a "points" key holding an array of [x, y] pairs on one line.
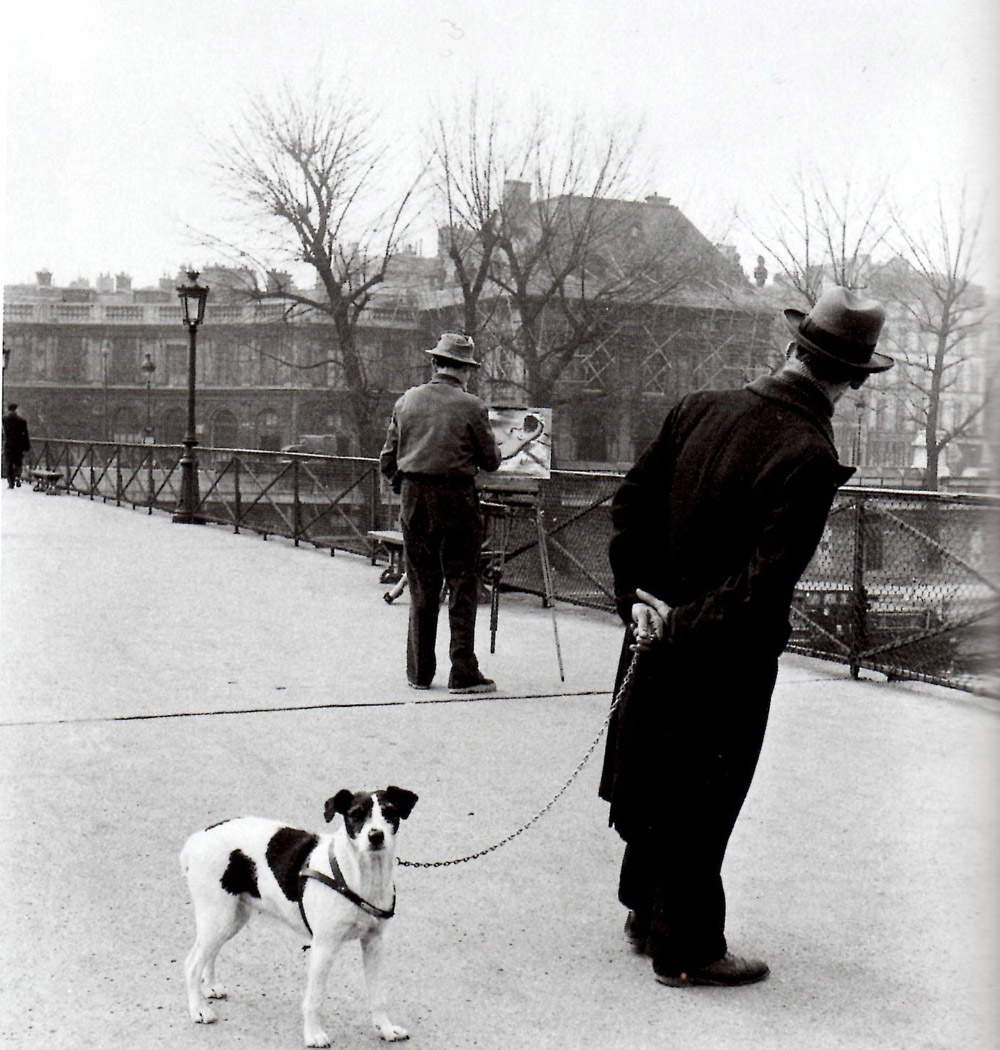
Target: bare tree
{"points": [[472, 163], [821, 233], [931, 288], [309, 171], [549, 251]]}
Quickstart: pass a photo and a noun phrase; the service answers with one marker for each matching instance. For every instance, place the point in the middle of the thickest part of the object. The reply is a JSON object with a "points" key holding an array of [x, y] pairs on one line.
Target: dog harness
{"points": [[338, 883]]}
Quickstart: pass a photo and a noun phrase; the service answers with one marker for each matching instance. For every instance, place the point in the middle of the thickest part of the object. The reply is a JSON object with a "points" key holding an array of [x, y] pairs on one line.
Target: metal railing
{"points": [[326, 501], [905, 583]]}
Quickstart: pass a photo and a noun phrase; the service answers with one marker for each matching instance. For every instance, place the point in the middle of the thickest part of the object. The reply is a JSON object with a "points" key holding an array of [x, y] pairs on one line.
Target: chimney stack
{"points": [[516, 194]]}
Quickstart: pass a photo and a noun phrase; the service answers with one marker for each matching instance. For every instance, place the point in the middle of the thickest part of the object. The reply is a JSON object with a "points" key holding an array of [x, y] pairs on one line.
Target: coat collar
{"points": [[799, 394], [442, 377]]}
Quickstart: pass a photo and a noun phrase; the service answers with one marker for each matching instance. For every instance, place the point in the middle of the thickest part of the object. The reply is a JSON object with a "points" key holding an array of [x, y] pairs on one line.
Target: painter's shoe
{"points": [[727, 972], [479, 684]]}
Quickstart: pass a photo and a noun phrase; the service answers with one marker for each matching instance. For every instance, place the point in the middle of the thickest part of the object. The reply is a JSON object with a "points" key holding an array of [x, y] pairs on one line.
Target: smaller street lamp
{"points": [[149, 367], [193, 297], [105, 355], [859, 406]]}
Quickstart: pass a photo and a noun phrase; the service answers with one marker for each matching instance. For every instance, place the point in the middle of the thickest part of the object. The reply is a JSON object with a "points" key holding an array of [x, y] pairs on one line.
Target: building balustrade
{"points": [[159, 313]]}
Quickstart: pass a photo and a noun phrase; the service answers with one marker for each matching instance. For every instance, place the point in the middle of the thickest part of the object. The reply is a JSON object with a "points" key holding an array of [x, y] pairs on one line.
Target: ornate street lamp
{"points": [[149, 367], [192, 296]]}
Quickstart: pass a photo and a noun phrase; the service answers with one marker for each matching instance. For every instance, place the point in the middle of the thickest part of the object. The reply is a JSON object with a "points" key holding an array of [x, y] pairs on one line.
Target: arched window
{"points": [[125, 426], [171, 428], [225, 429], [590, 431], [268, 430]]}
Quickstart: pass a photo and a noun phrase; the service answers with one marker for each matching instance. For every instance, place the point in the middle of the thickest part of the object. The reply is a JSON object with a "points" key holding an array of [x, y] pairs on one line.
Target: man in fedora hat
{"points": [[439, 437], [712, 528]]}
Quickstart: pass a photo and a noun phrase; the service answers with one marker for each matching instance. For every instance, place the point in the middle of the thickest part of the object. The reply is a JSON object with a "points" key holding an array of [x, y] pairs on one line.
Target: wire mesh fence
{"points": [[905, 583]]}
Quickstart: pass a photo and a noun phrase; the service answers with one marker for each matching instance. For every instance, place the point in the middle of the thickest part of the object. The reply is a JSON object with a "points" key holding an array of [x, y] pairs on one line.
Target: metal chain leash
{"points": [[622, 689]]}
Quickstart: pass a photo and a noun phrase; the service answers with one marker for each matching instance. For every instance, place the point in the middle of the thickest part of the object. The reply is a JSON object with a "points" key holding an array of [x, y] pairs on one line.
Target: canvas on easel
{"points": [[525, 439], [524, 436]]}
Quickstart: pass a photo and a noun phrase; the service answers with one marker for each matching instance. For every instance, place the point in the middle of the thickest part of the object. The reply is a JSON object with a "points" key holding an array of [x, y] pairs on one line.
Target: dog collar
{"points": [[338, 883]]}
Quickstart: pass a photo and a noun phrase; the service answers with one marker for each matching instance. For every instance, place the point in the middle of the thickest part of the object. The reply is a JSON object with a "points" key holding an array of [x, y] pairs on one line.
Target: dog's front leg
{"points": [[321, 957], [371, 953]]}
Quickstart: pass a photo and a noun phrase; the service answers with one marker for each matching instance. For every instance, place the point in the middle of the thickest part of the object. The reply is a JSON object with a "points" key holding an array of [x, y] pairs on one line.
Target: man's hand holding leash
{"points": [[649, 615]]}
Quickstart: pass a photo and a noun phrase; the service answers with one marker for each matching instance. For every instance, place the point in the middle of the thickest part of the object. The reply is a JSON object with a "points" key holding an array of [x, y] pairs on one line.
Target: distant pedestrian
{"points": [[438, 439], [712, 529], [15, 443]]}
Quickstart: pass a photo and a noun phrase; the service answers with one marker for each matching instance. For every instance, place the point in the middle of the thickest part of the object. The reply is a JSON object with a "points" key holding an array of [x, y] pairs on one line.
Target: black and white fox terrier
{"points": [[330, 888]]}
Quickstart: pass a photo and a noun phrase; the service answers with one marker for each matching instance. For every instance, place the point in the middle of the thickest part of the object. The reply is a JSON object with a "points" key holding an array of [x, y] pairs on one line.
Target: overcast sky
{"points": [[112, 105]]}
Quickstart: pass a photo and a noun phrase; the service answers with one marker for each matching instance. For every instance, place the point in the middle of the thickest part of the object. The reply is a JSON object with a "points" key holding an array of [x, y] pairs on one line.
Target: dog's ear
{"points": [[402, 799], [340, 803]]}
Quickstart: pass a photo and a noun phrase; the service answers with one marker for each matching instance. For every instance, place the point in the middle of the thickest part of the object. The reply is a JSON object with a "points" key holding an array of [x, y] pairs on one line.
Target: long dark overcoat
{"points": [[15, 435], [718, 518]]}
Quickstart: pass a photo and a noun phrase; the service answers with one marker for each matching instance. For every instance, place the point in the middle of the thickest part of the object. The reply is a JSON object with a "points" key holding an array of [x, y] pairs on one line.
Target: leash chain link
{"points": [[622, 689]]}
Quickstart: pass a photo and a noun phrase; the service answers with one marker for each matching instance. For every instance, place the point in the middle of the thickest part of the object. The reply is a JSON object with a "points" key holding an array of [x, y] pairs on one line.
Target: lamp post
{"points": [[149, 367], [105, 354], [192, 296], [859, 406]]}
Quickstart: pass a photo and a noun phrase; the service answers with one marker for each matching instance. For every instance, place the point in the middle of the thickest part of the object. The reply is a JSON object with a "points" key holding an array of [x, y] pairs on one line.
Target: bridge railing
{"points": [[903, 582]]}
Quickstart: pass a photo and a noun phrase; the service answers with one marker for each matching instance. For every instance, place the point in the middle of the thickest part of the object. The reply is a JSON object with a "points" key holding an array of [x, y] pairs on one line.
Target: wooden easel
{"points": [[505, 499]]}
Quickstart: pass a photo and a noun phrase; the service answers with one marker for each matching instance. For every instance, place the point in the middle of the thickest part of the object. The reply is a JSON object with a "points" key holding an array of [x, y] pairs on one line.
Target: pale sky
{"points": [[112, 105]]}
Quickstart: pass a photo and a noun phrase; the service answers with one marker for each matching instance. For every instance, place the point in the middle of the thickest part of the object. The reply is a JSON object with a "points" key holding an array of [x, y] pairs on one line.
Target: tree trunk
{"points": [[934, 444]]}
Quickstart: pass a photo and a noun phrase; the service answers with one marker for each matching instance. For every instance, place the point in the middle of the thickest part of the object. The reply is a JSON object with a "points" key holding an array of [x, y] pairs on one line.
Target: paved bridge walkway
{"points": [[159, 677]]}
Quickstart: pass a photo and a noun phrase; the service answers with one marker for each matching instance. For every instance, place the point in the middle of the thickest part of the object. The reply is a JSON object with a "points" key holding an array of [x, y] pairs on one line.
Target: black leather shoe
{"points": [[727, 972], [477, 685], [636, 932]]}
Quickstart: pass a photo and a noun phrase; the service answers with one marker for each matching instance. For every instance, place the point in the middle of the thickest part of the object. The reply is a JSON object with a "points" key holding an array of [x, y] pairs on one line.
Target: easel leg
{"points": [[543, 558], [498, 537]]}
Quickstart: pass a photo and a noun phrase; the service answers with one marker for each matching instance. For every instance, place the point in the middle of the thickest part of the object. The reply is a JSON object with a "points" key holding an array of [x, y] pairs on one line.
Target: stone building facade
{"points": [[77, 354]]}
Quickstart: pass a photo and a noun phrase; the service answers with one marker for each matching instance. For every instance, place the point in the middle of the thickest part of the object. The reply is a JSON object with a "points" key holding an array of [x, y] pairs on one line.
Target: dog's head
{"points": [[371, 818]]}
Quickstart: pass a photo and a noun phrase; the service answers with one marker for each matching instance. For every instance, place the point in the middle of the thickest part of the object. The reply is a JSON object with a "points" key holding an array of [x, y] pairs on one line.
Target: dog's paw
{"points": [[204, 1015], [316, 1037], [215, 991], [391, 1033]]}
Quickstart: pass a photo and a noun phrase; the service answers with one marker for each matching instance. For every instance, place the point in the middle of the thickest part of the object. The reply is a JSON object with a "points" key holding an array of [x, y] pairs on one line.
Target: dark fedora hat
{"points": [[844, 327], [455, 347]]}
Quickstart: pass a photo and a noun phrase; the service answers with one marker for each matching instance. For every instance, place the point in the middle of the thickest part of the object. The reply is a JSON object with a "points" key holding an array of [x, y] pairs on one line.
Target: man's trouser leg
{"points": [[673, 875], [462, 535], [425, 577], [677, 889]]}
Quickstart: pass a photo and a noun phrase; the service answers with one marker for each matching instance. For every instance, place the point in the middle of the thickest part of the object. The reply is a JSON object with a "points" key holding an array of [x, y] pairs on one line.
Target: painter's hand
{"points": [[648, 617]]}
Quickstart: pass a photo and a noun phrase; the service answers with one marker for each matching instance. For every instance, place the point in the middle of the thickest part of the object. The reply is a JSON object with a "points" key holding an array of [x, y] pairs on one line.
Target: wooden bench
{"points": [[46, 481], [391, 542]]}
